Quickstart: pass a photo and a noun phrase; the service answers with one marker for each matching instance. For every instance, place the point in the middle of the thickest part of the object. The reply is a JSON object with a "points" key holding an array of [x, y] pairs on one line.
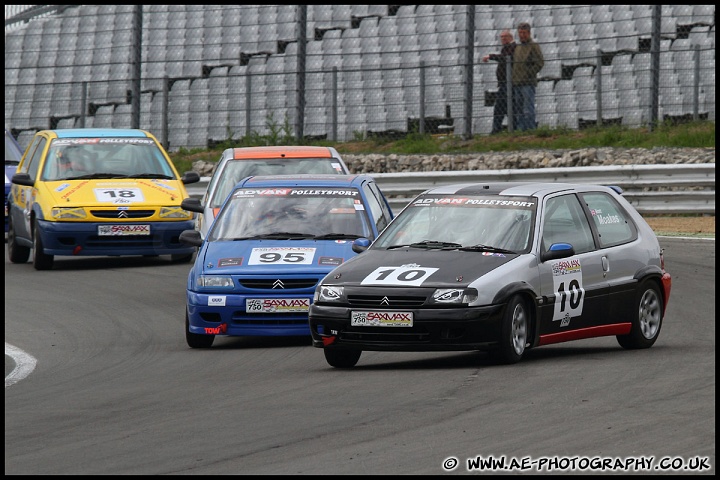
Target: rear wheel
{"points": [[195, 340], [41, 261], [17, 253], [647, 318], [342, 357], [515, 328]]}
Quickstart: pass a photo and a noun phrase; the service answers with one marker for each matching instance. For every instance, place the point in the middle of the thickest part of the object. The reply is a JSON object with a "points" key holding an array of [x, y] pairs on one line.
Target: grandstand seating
{"points": [[233, 70], [179, 114], [199, 117]]}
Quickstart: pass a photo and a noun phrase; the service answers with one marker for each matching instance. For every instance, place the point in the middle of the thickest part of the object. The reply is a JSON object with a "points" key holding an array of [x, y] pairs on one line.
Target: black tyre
{"points": [[342, 357], [514, 332], [41, 261], [181, 258], [17, 253], [195, 340], [647, 318]]}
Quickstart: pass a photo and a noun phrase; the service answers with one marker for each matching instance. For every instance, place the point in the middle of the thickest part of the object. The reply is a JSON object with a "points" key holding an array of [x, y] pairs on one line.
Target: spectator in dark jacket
{"points": [[527, 62], [505, 56]]}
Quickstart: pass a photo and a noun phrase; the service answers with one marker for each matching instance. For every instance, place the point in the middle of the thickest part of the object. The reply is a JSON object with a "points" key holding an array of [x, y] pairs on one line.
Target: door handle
{"points": [[605, 264]]}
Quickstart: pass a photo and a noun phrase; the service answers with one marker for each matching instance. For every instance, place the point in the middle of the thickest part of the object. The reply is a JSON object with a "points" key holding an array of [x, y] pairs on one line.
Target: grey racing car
{"points": [[498, 267]]}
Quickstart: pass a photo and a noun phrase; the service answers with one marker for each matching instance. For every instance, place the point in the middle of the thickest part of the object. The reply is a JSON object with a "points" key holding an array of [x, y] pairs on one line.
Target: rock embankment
{"points": [[390, 163]]}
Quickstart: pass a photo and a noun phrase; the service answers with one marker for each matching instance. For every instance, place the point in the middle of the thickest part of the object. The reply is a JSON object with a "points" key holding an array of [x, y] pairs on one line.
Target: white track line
{"points": [[24, 364]]}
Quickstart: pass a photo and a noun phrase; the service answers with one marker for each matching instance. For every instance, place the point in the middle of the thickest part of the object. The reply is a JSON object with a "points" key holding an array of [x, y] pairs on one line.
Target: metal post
{"points": [[422, 97], [83, 104], [468, 69], [248, 102], [509, 90], [655, 65], [136, 64], [301, 61], [696, 84], [164, 137], [334, 103], [598, 88]]}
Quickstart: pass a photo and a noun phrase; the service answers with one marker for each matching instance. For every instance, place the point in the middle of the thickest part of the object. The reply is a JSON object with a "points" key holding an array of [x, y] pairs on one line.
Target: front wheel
{"points": [[647, 318], [17, 253], [342, 357], [181, 258], [195, 340], [514, 331], [41, 261]]}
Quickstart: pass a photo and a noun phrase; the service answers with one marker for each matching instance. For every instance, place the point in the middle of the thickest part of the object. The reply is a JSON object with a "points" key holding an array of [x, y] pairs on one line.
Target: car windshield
{"points": [[82, 158], [236, 170], [476, 223], [292, 213]]}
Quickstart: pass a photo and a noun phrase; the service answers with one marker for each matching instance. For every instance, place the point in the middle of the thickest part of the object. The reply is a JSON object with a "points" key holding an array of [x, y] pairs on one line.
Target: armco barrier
{"points": [[651, 189]]}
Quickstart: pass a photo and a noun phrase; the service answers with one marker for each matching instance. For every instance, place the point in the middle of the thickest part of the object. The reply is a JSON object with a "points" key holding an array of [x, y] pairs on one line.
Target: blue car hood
{"points": [[272, 257]]}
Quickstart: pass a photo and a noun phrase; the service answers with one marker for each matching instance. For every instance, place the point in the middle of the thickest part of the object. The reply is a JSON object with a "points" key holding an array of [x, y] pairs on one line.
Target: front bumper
{"points": [[75, 238], [232, 319], [434, 329]]}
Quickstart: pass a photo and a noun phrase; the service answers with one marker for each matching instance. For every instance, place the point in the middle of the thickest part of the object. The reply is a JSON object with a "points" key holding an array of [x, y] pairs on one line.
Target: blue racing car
{"points": [[273, 241], [13, 154]]}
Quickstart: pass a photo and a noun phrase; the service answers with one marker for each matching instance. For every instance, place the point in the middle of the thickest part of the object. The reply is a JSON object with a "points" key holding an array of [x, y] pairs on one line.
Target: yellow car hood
{"points": [[121, 192]]}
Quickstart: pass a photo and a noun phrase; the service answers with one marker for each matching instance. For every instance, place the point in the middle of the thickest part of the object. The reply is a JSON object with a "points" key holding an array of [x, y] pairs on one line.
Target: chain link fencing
{"points": [[199, 75]]}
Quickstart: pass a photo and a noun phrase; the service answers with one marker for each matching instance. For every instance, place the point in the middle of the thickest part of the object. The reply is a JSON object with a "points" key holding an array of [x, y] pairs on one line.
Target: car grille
{"points": [[382, 335], [244, 318], [127, 214], [394, 301], [270, 284], [123, 241]]}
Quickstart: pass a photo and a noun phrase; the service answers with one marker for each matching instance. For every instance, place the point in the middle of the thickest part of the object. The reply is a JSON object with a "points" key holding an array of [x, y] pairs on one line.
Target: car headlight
{"points": [[454, 296], [69, 213], [175, 212], [215, 281], [328, 293]]}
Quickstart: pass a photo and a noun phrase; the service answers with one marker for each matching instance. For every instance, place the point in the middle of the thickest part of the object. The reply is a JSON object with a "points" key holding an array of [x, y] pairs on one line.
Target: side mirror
{"points": [[190, 176], [558, 250], [192, 205], [361, 244], [23, 179], [191, 237]]}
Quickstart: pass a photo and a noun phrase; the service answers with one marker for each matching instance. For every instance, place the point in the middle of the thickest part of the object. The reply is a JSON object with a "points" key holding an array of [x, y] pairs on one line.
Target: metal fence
{"points": [[651, 189], [196, 75]]}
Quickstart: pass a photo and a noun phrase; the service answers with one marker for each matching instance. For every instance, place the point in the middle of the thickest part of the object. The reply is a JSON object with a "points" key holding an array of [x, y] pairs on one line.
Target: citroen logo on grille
{"points": [[122, 214], [384, 301], [278, 284]]}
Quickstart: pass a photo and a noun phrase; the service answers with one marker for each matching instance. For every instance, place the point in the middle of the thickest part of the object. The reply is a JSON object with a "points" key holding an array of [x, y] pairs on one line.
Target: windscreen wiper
{"points": [[485, 248], [429, 244], [284, 236], [97, 175], [337, 236], [150, 175]]}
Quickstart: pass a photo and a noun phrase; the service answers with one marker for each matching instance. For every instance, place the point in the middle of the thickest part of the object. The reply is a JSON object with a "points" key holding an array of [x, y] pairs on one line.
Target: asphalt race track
{"points": [[116, 390]]}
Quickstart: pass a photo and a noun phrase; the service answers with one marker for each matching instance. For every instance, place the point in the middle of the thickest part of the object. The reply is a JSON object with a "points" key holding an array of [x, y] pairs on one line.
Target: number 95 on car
{"points": [[381, 319]]}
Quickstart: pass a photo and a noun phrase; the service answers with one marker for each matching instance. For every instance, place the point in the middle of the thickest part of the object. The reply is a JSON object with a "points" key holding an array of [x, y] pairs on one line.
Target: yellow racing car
{"points": [[97, 192]]}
